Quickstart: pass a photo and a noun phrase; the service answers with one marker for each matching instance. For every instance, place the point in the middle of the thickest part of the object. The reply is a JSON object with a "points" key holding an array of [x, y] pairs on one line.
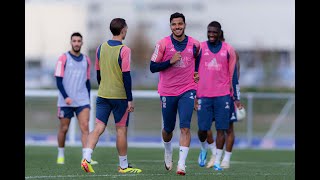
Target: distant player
{"points": [[114, 95], [174, 59], [217, 61], [72, 74]]}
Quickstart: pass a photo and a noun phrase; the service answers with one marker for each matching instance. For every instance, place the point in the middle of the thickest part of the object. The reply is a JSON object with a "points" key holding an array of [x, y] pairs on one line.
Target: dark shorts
{"points": [[233, 113], [217, 108], [68, 112], [117, 106], [183, 104]]}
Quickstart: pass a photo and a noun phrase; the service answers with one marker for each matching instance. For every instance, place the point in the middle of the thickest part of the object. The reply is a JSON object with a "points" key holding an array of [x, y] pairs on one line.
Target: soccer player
{"points": [[230, 133], [72, 74], [174, 59], [114, 94], [217, 61]]}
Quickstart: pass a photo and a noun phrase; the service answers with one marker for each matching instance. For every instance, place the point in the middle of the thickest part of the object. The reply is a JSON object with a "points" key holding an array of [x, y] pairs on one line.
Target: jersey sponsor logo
{"points": [[213, 65], [179, 64], [206, 54], [172, 49], [184, 62]]}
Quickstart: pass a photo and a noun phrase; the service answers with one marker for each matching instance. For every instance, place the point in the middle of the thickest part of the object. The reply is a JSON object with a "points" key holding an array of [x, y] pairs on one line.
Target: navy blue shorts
{"points": [[183, 104], [217, 108], [119, 110], [68, 112], [233, 115]]}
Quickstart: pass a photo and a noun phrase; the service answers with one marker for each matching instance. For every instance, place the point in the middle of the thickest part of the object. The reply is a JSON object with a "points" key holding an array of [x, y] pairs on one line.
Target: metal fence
{"points": [[270, 121]]}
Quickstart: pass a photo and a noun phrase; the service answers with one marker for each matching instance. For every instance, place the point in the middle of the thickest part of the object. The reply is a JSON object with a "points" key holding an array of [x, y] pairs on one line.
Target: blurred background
{"points": [[263, 33]]}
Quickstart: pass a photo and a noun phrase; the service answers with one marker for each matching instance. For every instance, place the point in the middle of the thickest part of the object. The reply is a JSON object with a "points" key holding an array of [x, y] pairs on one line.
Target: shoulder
{"points": [[228, 46], [87, 57], [125, 49], [193, 40], [163, 41], [203, 43], [161, 44], [63, 57], [196, 42]]}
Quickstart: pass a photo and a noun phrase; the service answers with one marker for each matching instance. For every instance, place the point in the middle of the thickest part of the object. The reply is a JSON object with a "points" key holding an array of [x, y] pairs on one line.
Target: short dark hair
{"points": [[116, 25], [215, 24], [177, 15], [76, 34]]}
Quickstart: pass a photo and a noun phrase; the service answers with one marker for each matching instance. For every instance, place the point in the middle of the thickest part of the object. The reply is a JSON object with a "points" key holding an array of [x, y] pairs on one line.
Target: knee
{"points": [[230, 132], [84, 127], [64, 128], [98, 129], [202, 135], [168, 130], [220, 133], [185, 131]]}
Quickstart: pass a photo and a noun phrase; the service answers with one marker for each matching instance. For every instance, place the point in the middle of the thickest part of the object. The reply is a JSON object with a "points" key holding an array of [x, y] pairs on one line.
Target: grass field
{"points": [[40, 163], [40, 116]]}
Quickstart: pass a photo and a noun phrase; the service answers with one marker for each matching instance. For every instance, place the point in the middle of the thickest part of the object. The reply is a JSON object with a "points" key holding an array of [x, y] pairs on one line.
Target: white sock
{"points": [[213, 148], [87, 154], [123, 161], [227, 156], [183, 153], [203, 145], [83, 152], [60, 152], [167, 146], [218, 156]]}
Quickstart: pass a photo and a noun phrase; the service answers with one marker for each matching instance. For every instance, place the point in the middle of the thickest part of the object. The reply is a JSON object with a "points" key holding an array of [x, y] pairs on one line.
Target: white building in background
{"points": [[247, 24], [48, 27]]}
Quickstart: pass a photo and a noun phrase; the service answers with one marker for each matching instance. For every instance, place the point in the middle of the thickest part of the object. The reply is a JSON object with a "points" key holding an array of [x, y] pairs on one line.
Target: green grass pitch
{"points": [[40, 163]]}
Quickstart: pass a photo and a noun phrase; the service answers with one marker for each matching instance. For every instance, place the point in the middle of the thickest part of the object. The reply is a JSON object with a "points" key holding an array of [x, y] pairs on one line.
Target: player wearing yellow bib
{"points": [[114, 94]]}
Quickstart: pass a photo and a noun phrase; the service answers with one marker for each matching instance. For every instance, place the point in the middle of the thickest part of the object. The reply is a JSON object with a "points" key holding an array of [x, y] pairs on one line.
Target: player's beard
{"points": [[179, 35], [76, 50]]}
